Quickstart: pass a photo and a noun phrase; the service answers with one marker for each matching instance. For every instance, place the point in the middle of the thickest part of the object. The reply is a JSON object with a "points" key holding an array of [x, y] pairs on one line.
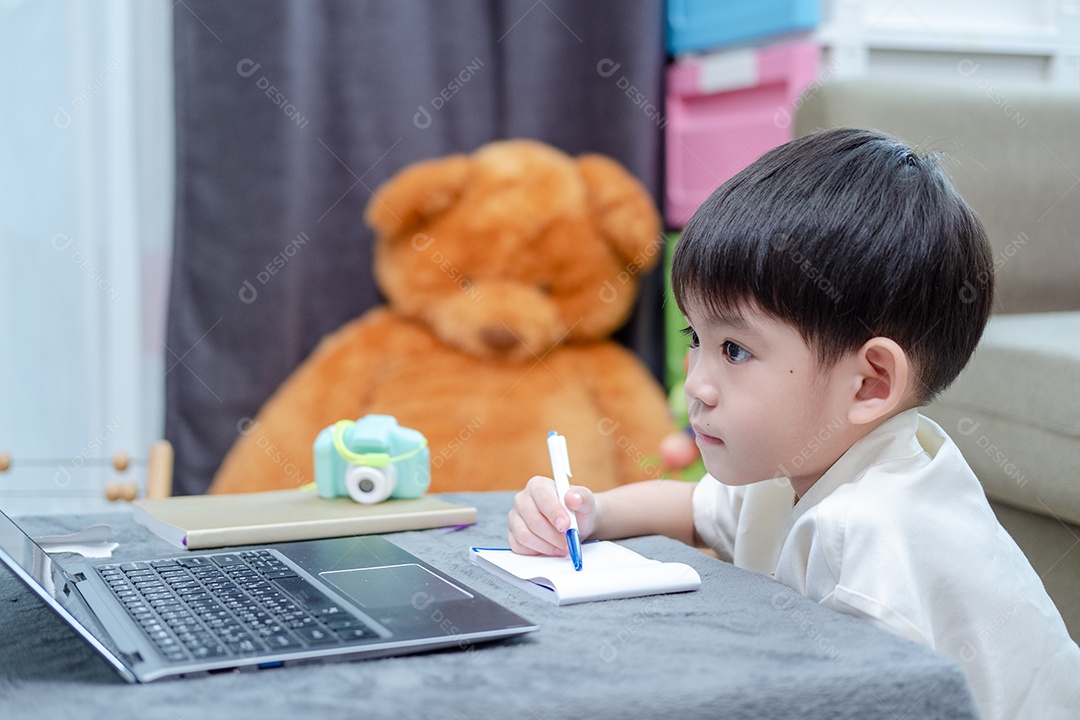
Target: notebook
{"points": [[260, 607], [198, 522], [609, 571]]}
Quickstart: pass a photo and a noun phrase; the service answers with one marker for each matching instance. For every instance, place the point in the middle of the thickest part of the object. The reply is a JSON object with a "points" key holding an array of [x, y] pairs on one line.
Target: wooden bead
{"points": [[120, 491], [5, 461], [120, 461]]}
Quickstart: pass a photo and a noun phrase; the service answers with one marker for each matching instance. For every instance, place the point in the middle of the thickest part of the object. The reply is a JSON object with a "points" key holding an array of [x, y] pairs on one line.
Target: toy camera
{"points": [[370, 460]]}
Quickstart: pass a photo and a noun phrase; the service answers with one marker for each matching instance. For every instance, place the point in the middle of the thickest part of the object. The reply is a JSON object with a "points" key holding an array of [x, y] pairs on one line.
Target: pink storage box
{"points": [[726, 109]]}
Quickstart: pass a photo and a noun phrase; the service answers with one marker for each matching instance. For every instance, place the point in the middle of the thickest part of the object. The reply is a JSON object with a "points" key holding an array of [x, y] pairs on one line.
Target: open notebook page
{"points": [[608, 571]]}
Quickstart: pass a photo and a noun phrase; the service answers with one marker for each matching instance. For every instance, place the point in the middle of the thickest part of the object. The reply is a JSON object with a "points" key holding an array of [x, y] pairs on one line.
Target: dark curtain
{"points": [[290, 114]]}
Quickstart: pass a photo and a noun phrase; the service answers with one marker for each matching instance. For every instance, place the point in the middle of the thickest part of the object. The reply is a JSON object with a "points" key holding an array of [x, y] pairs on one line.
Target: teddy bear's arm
{"points": [[273, 452], [634, 410]]}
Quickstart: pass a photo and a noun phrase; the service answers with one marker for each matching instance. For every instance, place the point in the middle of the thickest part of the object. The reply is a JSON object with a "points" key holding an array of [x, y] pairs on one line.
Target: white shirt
{"points": [[899, 532]]}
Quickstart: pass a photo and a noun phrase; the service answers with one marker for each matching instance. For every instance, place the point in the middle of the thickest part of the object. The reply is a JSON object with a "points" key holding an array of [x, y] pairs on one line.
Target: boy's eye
{"points": [[694, 342], [736, 353]]}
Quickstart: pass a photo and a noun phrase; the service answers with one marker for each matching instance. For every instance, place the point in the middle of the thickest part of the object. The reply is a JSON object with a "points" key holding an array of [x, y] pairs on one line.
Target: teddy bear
{"points": [[505, 272]]}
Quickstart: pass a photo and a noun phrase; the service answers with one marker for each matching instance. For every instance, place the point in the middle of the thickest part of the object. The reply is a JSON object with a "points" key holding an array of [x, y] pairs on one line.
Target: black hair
{"points": [[847, 235]]}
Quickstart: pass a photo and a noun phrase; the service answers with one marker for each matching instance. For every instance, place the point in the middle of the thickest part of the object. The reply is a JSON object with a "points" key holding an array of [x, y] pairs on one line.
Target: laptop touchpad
{"points": [[393, 586]]}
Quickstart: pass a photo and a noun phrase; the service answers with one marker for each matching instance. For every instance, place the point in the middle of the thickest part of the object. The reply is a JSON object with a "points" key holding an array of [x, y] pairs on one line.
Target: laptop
{"points": [[260, 607]]}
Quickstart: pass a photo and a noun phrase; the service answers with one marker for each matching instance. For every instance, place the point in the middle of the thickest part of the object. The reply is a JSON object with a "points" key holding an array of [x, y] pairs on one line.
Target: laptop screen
{"points": [[28, 560], [46, 578]]}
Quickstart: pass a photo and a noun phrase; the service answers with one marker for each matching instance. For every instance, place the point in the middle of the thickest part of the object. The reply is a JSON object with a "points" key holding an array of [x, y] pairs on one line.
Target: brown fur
{"points": [[506, 272]]}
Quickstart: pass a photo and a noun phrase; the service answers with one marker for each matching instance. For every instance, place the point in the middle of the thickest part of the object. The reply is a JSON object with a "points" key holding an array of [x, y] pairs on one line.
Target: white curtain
{"points": [[86, 197]]}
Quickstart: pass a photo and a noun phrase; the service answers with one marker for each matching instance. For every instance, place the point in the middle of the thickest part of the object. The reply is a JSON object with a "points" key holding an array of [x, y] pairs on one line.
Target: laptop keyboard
{"points": [[228, 605]]}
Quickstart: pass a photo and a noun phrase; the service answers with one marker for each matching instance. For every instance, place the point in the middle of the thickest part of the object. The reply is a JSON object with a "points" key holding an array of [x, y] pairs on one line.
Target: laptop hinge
{"points": [[130, 658]]}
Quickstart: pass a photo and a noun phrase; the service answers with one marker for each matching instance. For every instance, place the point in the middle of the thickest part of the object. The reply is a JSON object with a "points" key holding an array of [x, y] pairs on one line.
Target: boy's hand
{"points": [[537, 523]]}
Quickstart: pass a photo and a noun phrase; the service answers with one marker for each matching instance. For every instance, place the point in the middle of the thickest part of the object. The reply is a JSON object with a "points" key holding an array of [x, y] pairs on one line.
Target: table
{"points": [[743, 646]]}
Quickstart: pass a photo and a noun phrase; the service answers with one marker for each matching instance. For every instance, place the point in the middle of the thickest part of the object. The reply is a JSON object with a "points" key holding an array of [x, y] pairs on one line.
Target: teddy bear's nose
{"points": [[498, 338]]}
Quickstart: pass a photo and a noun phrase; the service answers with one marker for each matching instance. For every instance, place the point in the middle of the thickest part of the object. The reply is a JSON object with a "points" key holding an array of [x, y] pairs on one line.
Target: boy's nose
{"points": [[699, 387]]}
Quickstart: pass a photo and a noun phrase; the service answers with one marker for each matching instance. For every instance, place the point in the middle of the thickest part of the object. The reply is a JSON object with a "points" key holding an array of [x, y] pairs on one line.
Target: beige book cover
{"points": [[196, 522]]}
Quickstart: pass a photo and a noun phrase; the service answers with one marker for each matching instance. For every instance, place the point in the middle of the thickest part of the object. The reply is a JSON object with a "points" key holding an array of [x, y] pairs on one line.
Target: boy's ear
{"points": [[882, 381]]}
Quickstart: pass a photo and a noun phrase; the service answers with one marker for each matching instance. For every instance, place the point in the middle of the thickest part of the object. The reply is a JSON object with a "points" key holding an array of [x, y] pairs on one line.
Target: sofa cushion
{"points": [[1015, 412]]}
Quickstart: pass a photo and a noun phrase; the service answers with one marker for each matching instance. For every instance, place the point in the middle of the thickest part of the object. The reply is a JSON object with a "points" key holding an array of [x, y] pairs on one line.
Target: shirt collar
{"points": [[893, 439]]}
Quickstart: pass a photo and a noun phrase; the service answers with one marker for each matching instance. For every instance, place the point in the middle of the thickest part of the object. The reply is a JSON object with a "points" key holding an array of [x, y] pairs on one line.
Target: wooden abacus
{"points": [[159, 469]]}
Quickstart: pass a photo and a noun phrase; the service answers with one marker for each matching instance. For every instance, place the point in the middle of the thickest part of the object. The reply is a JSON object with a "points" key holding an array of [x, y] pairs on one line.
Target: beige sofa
{"points": [[1014, 154]]}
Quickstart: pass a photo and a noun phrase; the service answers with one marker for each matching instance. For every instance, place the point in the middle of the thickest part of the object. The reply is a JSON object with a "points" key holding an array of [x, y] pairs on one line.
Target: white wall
{"points": [[86, 184]]}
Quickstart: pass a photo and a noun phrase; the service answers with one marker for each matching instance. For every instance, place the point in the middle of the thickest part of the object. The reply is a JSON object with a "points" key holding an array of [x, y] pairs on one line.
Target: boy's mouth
{"points": [[705, 439]]}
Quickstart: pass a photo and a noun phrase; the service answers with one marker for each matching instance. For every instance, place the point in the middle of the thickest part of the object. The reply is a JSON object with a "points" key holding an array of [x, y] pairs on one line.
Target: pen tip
{"points": [[553, 432], [573, 544]]}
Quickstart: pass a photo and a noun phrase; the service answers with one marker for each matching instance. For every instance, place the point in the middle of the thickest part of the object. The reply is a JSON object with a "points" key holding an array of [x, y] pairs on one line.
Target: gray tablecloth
{"points": [[742, 646]]}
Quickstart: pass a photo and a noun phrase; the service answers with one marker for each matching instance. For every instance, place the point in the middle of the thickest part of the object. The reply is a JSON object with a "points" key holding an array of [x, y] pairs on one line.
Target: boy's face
{"points": [[760, 402]]}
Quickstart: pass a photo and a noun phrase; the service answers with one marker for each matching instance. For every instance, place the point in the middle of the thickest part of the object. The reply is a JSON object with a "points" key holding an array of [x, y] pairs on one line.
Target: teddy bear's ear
{"points": [[624, 212], [416, 194]]}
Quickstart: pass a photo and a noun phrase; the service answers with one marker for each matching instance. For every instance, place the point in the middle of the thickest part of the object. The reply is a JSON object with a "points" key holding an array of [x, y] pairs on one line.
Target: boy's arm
{"points": [[655, 507], [537, 521]]}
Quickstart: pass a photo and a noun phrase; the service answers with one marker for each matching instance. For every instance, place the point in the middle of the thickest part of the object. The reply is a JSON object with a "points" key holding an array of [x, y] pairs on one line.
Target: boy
{"points": [[832, 288]]}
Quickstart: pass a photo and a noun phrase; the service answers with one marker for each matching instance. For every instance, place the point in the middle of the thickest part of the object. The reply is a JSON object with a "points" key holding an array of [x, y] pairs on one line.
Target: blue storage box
{"points": [[703, 24]]}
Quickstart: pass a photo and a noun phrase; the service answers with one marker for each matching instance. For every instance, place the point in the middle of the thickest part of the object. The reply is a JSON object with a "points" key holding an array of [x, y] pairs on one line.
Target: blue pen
{"points": [[560, 470]]}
